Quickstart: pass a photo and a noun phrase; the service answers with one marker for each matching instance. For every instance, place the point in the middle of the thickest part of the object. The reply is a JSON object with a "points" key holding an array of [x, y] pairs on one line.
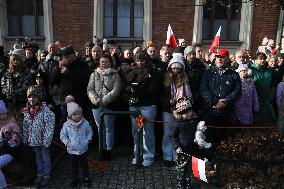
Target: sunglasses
{"points": [[219, 56]]}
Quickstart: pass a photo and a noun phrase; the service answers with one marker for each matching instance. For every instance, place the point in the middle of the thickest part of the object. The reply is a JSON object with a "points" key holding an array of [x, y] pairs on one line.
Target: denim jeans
{"points": [[75, 160], [43, 162], [149, 113], [108, 130], [169, 153]]}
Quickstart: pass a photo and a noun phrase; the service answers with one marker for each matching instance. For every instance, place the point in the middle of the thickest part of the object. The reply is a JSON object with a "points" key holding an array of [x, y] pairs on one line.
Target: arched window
{"points": [[224, 13], [123, 18], [25, 17]]}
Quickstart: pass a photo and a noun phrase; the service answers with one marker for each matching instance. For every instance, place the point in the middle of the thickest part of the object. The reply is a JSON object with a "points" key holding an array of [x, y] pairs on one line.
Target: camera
{"points": [[133, 97]]}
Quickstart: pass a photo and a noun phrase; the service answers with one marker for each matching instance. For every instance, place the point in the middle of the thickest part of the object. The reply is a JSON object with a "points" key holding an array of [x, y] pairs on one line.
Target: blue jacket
{"points": [[76, 138]]}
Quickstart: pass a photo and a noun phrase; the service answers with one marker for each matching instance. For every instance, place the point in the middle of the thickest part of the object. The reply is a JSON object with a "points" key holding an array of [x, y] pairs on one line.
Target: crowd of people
{"points": [[60, 89]]}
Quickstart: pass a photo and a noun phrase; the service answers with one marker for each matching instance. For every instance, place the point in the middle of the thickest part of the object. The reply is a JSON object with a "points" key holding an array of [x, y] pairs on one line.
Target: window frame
{"points": [[211, 18], [114, 24], [35, 4]]}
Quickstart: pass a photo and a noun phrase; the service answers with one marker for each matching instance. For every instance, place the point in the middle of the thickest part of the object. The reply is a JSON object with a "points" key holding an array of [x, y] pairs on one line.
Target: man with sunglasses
{"points": [[220, 88]]}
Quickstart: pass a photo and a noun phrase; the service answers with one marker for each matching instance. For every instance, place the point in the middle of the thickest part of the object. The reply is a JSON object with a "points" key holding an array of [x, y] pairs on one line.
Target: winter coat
{"points": [[248, 103], [15, 87], [104, 87], [262, 78], [76, 138], [10, 132], [182, 134], [216, 85], [73, 83], [148, 90], [195, 71], [38, 131]]}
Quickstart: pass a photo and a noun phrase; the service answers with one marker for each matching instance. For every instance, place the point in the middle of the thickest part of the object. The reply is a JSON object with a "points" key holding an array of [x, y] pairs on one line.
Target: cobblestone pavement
{"points": [[120, 174]]}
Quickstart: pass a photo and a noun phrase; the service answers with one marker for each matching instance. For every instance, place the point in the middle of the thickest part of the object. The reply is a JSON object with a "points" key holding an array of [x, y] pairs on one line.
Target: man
{"points": [[194, 69], [240, 58], [220, 88], [97, 53], [165, 56], [88, 50], [74, 77]]}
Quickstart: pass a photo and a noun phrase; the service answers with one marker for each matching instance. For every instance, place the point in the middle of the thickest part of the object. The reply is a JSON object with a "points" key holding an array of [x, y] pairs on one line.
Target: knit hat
{"points": [[180, 41], [34, 90], [265, 41], [176, 61], [242, 67], [187, 50], [19, 52], [183, 104], [73, 107], [3, 108]]}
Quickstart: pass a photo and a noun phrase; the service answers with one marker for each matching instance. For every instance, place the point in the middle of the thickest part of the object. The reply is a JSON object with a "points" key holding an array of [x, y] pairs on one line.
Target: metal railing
{"points": [[139, 138]]}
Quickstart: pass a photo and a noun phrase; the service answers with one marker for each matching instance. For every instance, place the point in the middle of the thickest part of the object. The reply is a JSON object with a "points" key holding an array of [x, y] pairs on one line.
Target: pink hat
{"points": [[73, 107]]}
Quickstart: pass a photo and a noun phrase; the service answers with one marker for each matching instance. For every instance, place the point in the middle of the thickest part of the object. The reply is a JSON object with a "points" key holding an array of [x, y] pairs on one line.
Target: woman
{"points": [[16, 81], [144, 95], [103, 91]]}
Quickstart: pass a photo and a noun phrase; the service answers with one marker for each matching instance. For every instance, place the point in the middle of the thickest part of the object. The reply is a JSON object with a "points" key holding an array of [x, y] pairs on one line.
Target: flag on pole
{"points": [[171, 40], [198, 169], [216, 41]]}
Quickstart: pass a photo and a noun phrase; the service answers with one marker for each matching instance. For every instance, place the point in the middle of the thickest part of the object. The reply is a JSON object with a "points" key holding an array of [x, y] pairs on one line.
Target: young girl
{"points": [[38, 127], [182, 132], [76, 134], [248, 103]]}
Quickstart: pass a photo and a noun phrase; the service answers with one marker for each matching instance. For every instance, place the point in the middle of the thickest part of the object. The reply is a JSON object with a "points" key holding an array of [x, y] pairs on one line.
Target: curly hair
{"points": [[12, 68]]}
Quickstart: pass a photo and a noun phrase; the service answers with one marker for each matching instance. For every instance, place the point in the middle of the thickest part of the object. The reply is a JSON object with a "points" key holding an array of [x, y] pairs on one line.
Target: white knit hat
{"points": [[187, 50], [73, 107], [176, 61]]}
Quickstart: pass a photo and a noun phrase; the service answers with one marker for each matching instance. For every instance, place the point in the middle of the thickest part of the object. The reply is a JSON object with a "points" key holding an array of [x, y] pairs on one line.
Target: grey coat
{"points": [[104, 86]]}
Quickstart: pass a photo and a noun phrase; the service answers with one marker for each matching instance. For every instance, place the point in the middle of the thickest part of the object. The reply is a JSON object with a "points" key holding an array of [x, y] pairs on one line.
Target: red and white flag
{"points": [[171, 40], [216, 41], [198, 169]]}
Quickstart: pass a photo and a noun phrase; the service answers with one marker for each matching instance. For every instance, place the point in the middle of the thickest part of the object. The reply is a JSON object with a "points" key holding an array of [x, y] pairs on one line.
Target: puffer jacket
{"points": [[104, 87], [38, 131], [76, 138], [216, 85], [15, 87]]}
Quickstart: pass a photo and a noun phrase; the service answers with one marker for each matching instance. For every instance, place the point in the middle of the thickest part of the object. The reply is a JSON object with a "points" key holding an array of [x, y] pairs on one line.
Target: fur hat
{"points": [[3, 108], [176, 61], [34, 90], [183, 104], [73, 107], [187, 50]]}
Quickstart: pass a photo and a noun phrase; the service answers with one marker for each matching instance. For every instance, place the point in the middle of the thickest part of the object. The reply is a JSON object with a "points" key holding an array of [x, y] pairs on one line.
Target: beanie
{"points": [[176, 61], [73, 107], [20, 52], [3, 108], [34, 90], [187, 50]]}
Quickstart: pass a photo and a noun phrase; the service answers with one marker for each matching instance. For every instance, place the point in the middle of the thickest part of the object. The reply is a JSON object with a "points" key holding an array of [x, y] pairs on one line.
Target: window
{"points": [[25, 17], [222, 13], [123, 18]]}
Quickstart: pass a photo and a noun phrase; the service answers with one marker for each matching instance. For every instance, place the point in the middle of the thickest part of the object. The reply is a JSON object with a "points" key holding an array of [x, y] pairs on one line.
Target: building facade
{"points": [[127, 22]]}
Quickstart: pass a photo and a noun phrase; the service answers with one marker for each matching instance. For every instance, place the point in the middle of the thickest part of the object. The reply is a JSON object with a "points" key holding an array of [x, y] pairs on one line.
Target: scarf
{"points": [[75, 124], [186, 92]]}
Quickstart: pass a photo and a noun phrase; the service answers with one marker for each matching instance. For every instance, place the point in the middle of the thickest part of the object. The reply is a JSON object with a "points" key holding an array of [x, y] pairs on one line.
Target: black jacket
{"points": [[215, 86]]}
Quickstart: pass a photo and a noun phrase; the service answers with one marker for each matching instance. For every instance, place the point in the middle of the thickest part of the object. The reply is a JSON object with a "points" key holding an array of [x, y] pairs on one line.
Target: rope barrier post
{"points": [[138, 141]]}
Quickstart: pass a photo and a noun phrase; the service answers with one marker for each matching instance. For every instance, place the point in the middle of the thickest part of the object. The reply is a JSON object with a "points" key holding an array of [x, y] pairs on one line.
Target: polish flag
{"points": [[198, 169], [216, 41], [171, 40]]}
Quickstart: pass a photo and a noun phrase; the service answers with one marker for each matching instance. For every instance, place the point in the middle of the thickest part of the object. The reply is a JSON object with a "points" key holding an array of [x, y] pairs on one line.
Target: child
{"points": [[76, 134], [10, 137], [248, 103], [38, 128]]}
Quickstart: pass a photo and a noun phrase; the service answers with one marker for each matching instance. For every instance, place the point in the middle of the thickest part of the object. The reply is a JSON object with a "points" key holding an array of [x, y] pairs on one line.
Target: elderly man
{"points": [[240, 58], [220, 88]]}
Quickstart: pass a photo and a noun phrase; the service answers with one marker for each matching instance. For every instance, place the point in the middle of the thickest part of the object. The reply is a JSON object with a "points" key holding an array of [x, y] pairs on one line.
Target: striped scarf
{"points": [[186, 92]]}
